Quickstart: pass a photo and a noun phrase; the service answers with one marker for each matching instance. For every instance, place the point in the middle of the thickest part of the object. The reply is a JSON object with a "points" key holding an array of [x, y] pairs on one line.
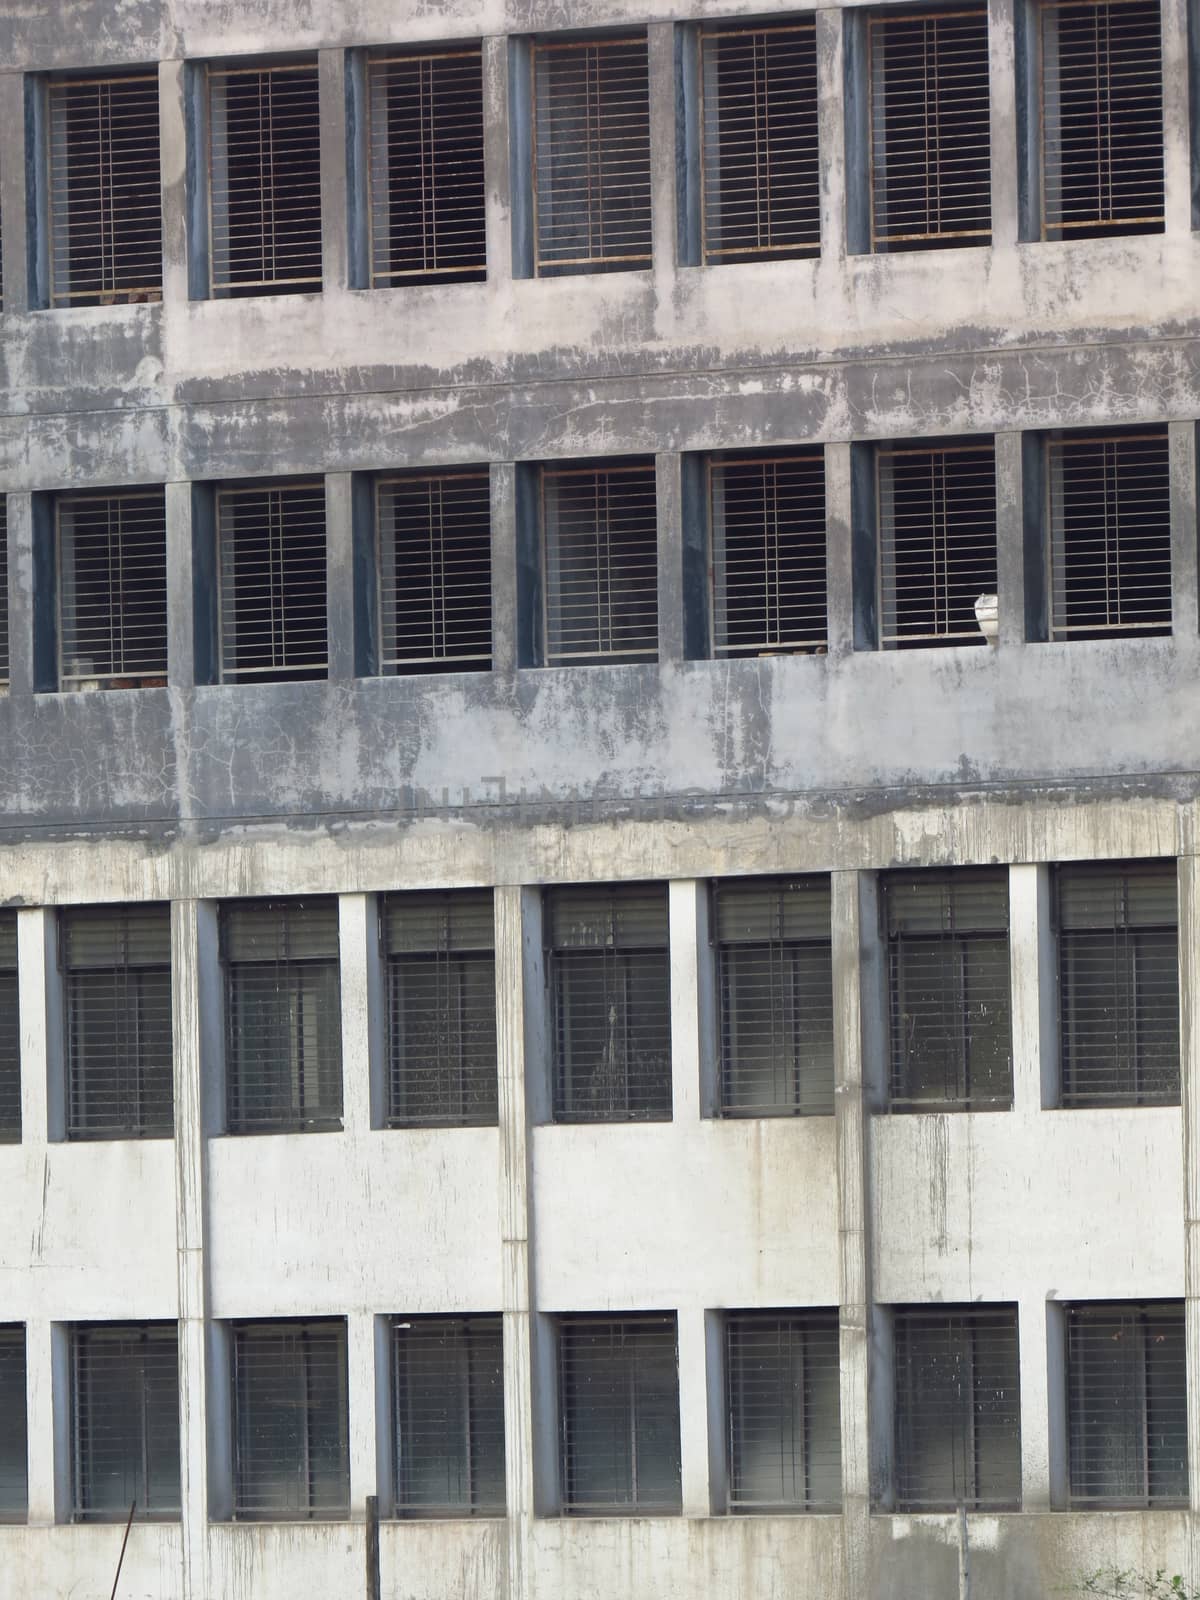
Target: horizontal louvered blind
{"points": [[775, 976], [112, 551], [426, 167], [591, 130], [619, 1414], [601, 564], [782, 1376], [10, 1032], [449, 1416], [125, 1421], [105, 190], [441, 970], [937, 543], [273, 582], [435, 558], [1110, 535], [264, 179], [930, 130], [291, 1421], [768, 554], [3, 590], [14, 1470], [958, 1410], [1102, 118]]}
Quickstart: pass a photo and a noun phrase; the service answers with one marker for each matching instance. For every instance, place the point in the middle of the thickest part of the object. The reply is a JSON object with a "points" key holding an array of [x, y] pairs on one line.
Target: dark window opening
{"points": [[3, 591], [291, 1421], [782, 1379], [435, 558], [273, 600], [126, 1421], [449, 1416], [14, 1450], [112, 555], [10, 1033]]}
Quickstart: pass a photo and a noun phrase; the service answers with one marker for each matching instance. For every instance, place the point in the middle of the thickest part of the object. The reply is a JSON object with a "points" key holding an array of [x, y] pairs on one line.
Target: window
{"points": [[435, 558], [591, 136], [1118, 978], [768, 554], [14, 1471], [1127, 1401], [426, 167], [273, 584], [782, 1379], [618, 1384], [775, 975], [3, 591], [265, 179], [930, 130], [1110, 534], [117, 980], [283, 1038], [290, 1421], [125, 1434], [105, 190], [609, 973], [10, 1033], [761, 188], [601, 564], [112, 555], [449, 1399], [1102, 118], [937, 542], [958, 1408]]}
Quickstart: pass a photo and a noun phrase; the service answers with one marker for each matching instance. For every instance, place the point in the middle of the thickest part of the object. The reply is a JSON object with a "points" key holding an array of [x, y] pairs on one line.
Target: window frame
{"points": [[141, 1338], [281, 669], [10, 1032], [124, 610], [14, 1356], [467, 1339]]}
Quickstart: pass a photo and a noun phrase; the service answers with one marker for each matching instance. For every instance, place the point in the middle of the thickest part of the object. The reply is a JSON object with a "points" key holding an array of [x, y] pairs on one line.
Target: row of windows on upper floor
{"points": [[748, 136], [948, 1003]]}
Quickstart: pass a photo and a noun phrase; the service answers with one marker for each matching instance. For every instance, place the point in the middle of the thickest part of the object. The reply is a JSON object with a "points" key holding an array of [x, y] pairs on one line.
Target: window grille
{"points": [[10, 1033], [273, 583], [426, 168], [125, 1434], [291, 1421], [112, 552], [265, 179], [937, 542], [782, 1376], [591, 135], [1118, 956], [949, 989], [435, 557], [775, 975], [1110, 535], [3, 591], [761, 188], [14, 1470], [283, 1037], [1102, 118], [930, 130], [449, 1416], [601, 563], [1127, 1398], [105, 190], [768, 554], [117, 979], [618, 1383], [958, 1409], [609, 972]]}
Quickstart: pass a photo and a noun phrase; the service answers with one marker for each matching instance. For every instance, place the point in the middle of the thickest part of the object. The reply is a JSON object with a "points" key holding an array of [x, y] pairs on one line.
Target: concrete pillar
{"points": [[668, 485], [12, 191], [504, 566], [497, 175], [20, 593], [1185, 613], [1177, 143], [694, 1419], [1010, 538], [693, 1006], [335, 199], [181, 618], [172, 144], [39, 1003], [1189, 1065], [339, 574], [47, 1411], [361, 1355], [831, 131], [1034, 990], [1002, 78], [661, 46], [363, 1099], [839, 549]]}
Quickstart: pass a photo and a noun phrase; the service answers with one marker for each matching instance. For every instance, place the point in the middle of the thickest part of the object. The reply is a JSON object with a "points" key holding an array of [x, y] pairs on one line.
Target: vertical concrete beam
{"points": [[339, 574], [1002, 78], [661, 46], [504, 566], [20, 593], [364, 1420], [39, 1005], [1185, 609], [497, 175], [181, 631], [668, 485], [362, 1015], [13, 209], [1177, 144], [47, 1410], [839, 549], [831, 131], [694, 1421], [1189, 1065], [172, 145], [335, 198], [1034, 986], [1010, 538], [693, 1023]]}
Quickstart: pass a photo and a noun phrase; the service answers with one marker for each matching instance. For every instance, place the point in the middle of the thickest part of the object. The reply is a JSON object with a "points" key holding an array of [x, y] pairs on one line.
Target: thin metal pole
{"points": [[121, 1557], [373, 1583]]}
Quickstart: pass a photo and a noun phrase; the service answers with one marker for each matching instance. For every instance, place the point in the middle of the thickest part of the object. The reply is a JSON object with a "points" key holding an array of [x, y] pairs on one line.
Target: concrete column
{"points": [[496, 171], [13, 219], [1010, 538], [1185, 616], [1189, 1064], [831, 130], [335, 199], [181, 618], [693, 1006], [694, 1420], [364, 1420], [504, 566], [20, 593], [1002, 78], [1177, 144], [839, 549], [1034, 990], [39, 1003], [661, 43], [172, 145], [47, 1412], [339, 574], [362, 1015], [668, 485]]}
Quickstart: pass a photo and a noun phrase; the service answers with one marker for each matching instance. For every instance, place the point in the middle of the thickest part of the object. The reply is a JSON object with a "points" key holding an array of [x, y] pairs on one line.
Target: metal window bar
{"points": [[600, 558], [273, 595], [264, 179], [14, 1450], [591, 155], [609, 975], [441, 984], [448, 1392], [435, 561], [125, 1421], [425, 142], [105, 190], [3, 591], [957, 1409], [784, 1411], [112, 562], [618, 1383], [291, 1421], [1118, 965], [1110, 535], [10, 1033], [930, 136], [949, 990], [116, 964], [1102, 118], [283, 1026], [768, 554], [775, 979], [937, 543]]}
